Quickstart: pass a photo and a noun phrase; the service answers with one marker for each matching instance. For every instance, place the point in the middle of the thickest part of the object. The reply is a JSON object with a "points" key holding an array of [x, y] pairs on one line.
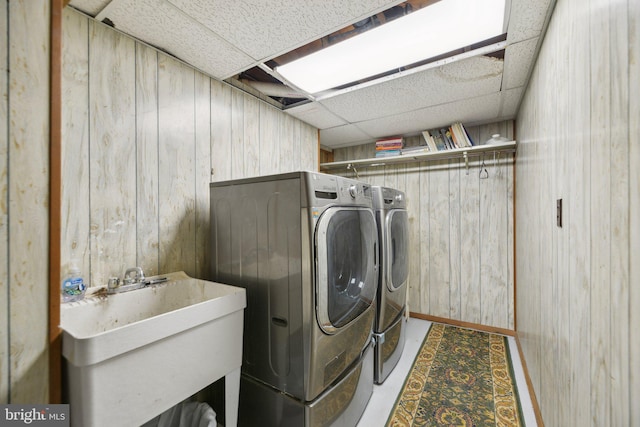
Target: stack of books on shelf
{"points": [[448, 138], [389, 147]]}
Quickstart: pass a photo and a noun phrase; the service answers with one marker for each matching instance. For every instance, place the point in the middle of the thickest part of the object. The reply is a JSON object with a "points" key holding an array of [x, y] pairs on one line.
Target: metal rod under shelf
{"points": [[458, 153]]}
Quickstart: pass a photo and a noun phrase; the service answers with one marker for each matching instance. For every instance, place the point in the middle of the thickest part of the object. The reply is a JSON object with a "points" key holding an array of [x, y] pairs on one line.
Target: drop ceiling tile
{"points": [[342, 136], [518, 61], [264, 29], [474, 110], [527, 19], [162, 25], [511, 101], [467, 78], [90, 7], [316, 115]]}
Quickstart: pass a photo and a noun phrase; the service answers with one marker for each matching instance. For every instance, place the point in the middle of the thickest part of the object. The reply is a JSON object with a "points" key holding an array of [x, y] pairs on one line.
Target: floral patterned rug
{"points": [[460, 377]]}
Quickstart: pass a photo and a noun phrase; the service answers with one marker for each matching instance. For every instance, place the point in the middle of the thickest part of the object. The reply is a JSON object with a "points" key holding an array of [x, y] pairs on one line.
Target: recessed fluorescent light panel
{"points": [[426, 33]]}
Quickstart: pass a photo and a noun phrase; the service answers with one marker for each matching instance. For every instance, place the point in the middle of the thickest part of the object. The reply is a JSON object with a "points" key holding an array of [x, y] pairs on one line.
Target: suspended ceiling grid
{"points": [[225, 38]]}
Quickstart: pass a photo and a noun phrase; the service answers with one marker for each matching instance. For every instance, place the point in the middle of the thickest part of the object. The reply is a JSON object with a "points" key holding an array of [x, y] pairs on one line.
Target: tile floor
{"points": [[384, 395]]}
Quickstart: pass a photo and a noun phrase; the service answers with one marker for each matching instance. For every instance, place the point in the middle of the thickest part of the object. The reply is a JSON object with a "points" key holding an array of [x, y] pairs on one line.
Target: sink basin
{"points": [[132, 355]]}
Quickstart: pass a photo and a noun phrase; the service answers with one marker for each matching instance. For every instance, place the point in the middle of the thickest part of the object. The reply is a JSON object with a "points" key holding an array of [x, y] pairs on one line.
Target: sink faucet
{"points": [[133, 279]]}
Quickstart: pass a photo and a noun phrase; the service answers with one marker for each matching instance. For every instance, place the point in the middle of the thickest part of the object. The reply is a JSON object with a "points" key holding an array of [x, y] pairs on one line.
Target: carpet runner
{"points": [[460, 377]]}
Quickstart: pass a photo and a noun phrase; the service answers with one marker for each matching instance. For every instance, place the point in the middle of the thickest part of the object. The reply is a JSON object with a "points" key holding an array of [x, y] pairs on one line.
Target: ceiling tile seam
{"points": [[430, 107], [259, 62], [99, 17], [493, 88], [400, 74], [209, 30], [103, 8], [336, 115], [268, 102], [338, 27]]}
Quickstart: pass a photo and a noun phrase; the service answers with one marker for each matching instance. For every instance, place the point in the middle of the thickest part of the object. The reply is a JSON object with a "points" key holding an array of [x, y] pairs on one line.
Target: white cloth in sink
{"points": [[185, 414]]}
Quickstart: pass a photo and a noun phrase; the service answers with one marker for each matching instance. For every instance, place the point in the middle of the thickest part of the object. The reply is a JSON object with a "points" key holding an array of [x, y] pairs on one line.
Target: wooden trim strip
{"points": [[532, 393], [55, 201], [515, 241], [477, 326]]}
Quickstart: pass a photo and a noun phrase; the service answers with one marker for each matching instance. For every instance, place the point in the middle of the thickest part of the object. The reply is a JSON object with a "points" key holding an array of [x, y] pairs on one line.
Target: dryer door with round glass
{"points": [[346, 261]]}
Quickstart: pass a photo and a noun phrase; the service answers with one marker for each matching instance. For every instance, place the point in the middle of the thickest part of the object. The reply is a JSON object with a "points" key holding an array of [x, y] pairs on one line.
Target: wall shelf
{"points": [[458, 153]]}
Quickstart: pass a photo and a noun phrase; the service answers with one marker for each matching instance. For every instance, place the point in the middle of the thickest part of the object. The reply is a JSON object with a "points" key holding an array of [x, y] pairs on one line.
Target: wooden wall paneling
{"points": [[75, 239], [293, 140], [455, 246], [4, 213], [269, 139], [588, 377], [560, 177], [237, 134], [28, 191], [412, 192], [506, 164], [176, 206], [546, 204], [309, 147], [600, 214], [391, 176], [296, 140], [221, 139], [373, 175], [112, 149], [147, 161], [424, 209], [549, 251], [439, 244], [510, 261], [528, 300], [251, 132], [287, 152], [578, 222], [620, 191], [493, 244], [634, 209], [463, 228], [202, 169], [470, 300]]}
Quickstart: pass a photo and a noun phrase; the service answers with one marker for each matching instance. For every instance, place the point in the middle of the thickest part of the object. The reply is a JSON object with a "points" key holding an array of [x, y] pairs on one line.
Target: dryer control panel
{"points": [[326, 189]]}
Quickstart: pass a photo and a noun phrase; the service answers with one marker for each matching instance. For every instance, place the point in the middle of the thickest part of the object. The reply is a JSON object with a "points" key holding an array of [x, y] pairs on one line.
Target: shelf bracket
{"points": [[351, 166], [466, 161]]}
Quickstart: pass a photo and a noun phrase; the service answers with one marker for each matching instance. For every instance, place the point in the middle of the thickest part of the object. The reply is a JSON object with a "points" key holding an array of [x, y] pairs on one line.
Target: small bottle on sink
{"points": [[73, 286]]}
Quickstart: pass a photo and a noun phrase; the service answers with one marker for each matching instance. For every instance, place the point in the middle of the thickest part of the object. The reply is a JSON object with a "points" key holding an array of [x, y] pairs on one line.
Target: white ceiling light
{"points": [[431, 31]]}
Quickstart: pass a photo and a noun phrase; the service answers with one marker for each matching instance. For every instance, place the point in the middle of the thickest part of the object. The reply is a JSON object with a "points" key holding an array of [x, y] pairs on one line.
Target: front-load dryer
{"points": [[393, 233], [305, 247]]}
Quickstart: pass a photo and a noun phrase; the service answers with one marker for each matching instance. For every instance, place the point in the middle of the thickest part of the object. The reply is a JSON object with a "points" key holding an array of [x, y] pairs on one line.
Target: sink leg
{"points": [[231, 397]]}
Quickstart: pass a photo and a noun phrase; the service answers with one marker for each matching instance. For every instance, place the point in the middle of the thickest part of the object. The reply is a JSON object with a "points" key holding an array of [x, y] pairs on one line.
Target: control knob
{"points": [[353, 191]]}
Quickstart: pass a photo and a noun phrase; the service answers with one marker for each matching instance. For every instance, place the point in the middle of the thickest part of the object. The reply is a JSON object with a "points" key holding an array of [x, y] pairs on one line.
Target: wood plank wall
{"points": [[142, 134], [24, 186], [461, 251], [154, 132], [4, 211], [578, 298]]}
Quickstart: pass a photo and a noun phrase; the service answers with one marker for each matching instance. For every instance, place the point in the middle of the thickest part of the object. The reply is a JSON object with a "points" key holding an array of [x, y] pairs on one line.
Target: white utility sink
{"points": [[132, 355]]}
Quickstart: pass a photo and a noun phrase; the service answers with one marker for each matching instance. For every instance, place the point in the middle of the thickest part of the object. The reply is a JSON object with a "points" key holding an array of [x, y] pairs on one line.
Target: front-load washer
{"points": [[393, 233], [304, 245]]}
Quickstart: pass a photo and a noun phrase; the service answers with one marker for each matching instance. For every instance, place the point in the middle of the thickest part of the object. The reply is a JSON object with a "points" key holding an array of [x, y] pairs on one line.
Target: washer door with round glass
{"points": [[397, 257], [347, 266]]}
